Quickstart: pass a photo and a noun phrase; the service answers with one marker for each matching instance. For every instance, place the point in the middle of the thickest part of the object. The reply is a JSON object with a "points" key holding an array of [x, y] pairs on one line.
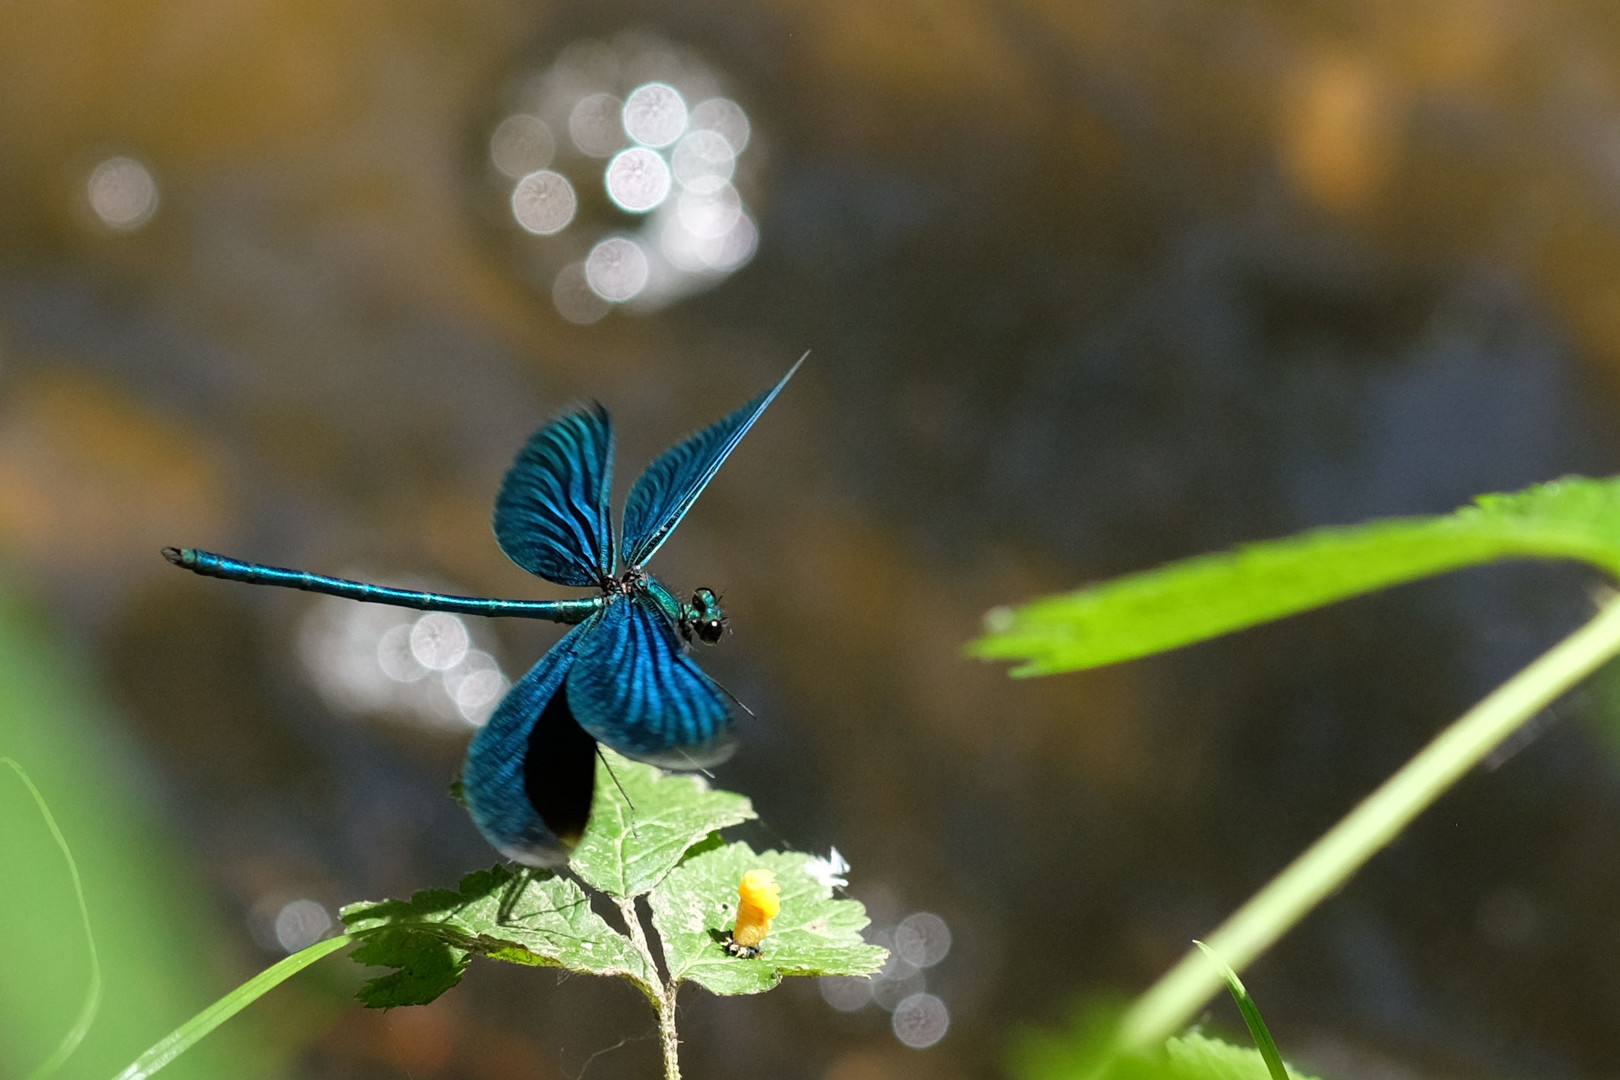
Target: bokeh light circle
{"points": [[846, 993], [703, 161], [637, 179], [725, 117], [595, 127], [123, 193], [544, 202], [521, 144], [922, 938], [735, 248], [921, 1020], [300, 924], [395, 657], [710, 213], [654, 114], [439, 640], [573, 297], [617, 269]]}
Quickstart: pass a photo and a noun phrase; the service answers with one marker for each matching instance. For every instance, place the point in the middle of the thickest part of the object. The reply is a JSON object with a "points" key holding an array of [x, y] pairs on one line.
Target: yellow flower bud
{"points": [[760, 900]]}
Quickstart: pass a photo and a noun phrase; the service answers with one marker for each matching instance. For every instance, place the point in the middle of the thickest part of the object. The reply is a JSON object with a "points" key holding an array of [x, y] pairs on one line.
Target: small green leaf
{"points": [[1204, 597], [642, 823], [427, 967], [695, 906], [523, 918], [1256, 1024]]}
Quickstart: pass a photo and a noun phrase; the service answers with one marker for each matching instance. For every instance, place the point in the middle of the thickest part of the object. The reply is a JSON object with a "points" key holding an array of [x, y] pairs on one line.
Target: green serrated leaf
{"points": [[695, 906], [533, 918], [1200, 598], [643, 821], [427, 967]]}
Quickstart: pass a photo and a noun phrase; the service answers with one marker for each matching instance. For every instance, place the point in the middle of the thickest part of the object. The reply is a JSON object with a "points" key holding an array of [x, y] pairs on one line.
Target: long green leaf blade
{"points": [[1252, 1019], [192, 1031], [92, 995], [1203, 597]]}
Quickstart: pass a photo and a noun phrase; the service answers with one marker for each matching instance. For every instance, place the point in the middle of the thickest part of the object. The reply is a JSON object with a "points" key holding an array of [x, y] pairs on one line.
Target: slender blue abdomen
{"points": [[221, 566]]}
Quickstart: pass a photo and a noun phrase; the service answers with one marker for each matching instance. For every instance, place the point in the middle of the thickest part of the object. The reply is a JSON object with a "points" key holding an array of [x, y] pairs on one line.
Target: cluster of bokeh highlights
{"points": [[624, 162]]}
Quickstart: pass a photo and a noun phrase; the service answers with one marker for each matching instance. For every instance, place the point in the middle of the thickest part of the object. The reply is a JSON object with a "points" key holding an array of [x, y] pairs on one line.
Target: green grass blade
{"points": [[92, 995], [192, 1031], [1258, 1031], [1203, 597]]}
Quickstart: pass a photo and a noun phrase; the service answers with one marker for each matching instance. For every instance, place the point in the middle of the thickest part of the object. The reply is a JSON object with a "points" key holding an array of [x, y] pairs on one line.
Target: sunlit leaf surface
{"points": [[537, 919], [815, 934], [1203, 597], [644, 820]]}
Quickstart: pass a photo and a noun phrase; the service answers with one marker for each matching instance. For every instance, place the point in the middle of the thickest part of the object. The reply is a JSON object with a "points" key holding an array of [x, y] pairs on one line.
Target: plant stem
{"points": [[663, 995], [666, 1033], [1327, 864]]}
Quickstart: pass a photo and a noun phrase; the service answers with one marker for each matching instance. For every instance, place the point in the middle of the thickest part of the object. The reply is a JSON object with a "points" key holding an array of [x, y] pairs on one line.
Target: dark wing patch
{"points": [[531, 770]]}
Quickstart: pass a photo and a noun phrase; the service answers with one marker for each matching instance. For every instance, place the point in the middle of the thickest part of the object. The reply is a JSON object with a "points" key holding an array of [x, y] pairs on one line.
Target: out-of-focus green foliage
{"points": [[1085, 1052], [92, 994], [153, 937], [1204, 597]]}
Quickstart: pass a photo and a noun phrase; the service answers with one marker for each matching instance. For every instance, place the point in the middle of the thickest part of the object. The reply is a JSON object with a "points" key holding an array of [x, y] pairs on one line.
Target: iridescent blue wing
{"points": [[666, 491], [531, 770], [634, 689], [551, 516]]}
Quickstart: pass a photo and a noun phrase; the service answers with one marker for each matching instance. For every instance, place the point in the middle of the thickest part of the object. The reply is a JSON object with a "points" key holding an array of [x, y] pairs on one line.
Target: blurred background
{"points": [[1087, 286]]}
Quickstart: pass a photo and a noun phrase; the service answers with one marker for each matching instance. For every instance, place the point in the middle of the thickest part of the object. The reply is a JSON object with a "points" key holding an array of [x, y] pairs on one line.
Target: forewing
{"points": [[551, 517], [666, 491], [531, 769], [634, 689]]}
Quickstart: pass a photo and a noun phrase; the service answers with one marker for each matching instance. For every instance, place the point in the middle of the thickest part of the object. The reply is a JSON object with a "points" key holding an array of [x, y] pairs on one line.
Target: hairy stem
{"points": [[1326, 865], [663, 995], [666, 1033]]}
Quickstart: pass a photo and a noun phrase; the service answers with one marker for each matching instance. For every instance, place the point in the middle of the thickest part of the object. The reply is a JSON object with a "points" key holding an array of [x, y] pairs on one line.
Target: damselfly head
{"points": [[703, 618]]}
